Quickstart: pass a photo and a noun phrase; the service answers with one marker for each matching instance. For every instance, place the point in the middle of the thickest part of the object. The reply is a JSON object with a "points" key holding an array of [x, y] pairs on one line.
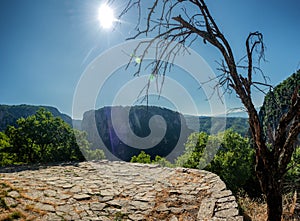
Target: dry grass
{"points": [[8, 213], [32, 208], [256, 209], [10, 216], [252, 209]]}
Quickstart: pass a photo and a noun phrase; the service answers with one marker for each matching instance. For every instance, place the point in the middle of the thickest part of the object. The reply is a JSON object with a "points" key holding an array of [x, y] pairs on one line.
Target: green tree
{"points": [[162, 162], [141, 158], [85, 147], [21, 145], [146, 158], [193, 150], [234, 162], [43, 138], [4, 141], [5, 158]]}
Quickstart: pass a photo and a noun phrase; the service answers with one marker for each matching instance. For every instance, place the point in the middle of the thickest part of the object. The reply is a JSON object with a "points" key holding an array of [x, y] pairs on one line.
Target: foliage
{"points": [[193, 150], [85, 147], [276, 103], [237, 124], [177, 23], [146, 158], [97, 154], [9, 114], [234, 162], [292, 177], [5, 158], [40, 138], [162, 162], [141, 158]]}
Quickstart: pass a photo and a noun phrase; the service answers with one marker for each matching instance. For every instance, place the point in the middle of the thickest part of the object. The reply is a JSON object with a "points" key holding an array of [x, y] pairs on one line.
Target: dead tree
{"points": [[187, 22]]}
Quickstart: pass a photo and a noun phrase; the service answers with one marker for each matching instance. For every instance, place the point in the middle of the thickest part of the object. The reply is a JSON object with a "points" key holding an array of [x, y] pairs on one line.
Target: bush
{"points": [[193, 151], [162, 162], [39, 138], [146, 158], [85, 147], [141, 158], [234, 162], [5, 158]]}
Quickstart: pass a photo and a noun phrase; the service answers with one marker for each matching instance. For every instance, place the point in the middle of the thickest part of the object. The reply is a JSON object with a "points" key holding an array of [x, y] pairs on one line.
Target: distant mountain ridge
{"points": [[209, 124], [103, 129], [102, 133], [9, 114]]}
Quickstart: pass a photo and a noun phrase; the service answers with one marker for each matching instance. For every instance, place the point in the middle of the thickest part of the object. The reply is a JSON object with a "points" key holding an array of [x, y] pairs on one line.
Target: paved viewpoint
{"points": [[114, 191]]}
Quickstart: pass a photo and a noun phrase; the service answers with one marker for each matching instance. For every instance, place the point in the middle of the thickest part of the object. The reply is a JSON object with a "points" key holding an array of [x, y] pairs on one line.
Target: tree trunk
{"points": [[270, 181], [272, 188], [274, 204]]}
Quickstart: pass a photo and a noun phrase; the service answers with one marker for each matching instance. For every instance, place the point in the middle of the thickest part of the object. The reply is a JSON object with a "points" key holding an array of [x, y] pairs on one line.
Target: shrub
{"points": [[141, 158], [146, 158], [234, 162]]}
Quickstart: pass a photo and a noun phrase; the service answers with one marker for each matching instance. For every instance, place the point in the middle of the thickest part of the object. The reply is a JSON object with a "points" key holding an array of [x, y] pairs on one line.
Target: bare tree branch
{"points": [[169, 21]]}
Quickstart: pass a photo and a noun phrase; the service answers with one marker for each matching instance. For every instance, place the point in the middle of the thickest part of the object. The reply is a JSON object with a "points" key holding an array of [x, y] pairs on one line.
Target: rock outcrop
{"points": [[107, 190]]}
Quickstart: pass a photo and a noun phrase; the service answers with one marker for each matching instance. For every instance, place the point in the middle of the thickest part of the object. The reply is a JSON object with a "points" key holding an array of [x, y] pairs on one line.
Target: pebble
{"points": [[113, 190]]}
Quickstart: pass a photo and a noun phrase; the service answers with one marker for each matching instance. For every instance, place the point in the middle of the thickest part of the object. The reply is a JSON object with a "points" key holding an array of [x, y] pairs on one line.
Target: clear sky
{"points": [[46, 45]]}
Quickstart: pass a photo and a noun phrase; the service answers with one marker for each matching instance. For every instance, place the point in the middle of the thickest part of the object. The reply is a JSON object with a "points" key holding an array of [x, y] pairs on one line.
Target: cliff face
{"points": [[9, 114], [277, 102], [123, 132]]}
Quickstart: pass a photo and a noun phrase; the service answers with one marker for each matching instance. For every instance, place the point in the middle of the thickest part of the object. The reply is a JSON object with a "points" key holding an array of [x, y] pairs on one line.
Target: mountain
{"points": [[120, 144], [277, 102], [77, 124], [215, 124], [123, 132], [9, 114]]}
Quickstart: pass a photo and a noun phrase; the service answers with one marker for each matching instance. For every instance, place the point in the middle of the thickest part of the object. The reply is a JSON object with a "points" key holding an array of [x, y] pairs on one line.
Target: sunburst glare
{"points": [[106, 16]]}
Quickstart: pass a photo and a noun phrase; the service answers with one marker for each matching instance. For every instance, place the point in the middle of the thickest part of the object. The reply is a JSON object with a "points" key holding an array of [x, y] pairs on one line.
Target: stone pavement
{"points": [[108, 191]]}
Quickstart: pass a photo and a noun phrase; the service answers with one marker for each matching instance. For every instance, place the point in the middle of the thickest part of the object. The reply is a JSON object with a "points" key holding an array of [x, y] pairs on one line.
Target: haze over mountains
{"points": [[123, 132], [9, 114]]}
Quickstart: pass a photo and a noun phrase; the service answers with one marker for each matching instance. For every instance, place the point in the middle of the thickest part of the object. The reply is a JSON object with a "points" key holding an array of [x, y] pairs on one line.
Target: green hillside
{"points": [[276, 103], [9, 114]]}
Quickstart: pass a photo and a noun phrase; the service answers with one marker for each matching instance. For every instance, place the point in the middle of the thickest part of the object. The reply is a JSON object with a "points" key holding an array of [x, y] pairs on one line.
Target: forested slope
{"points": [[9, 114]]}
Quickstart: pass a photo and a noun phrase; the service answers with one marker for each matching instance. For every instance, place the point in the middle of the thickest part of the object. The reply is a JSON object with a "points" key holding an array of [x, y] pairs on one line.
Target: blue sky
{"points": [[46, 46]]}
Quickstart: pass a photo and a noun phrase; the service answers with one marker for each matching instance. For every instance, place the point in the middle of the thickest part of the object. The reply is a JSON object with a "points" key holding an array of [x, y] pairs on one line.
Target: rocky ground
{"points": [[113, 191]]}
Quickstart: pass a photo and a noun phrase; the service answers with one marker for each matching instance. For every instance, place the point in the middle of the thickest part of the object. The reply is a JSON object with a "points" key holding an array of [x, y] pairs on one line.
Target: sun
{"points": [[106, 16]]}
